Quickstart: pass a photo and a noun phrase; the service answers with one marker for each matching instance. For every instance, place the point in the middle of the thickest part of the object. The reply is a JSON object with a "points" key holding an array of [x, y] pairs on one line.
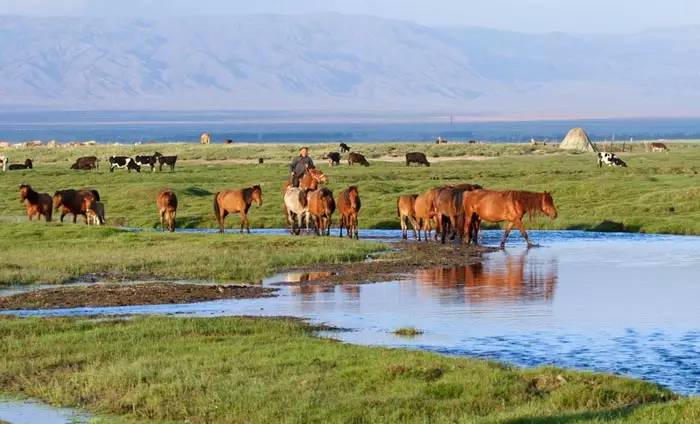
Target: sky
{"points": [[581, 16]]}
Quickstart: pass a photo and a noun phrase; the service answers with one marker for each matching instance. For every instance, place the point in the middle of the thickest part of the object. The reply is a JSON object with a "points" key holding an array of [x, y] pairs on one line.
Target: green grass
{"points": [[408, 331], [658, 193], [223, 370], [53, 253]]}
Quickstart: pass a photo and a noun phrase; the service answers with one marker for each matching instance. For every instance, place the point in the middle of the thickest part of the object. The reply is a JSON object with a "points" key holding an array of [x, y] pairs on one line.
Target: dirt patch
{"points": [[100, 295]]}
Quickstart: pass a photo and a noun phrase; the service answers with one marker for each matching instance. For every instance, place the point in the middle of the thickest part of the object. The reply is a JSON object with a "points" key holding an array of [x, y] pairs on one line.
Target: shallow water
{"points": [[32, 412], [621, 303]]}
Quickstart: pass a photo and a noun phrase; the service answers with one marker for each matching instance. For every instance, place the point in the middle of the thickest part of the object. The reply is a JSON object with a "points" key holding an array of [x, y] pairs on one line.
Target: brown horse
{"points": [[310, 181], [405, 208], [167, 209], [511, 206], [321, 206], [76, 202], [448, 208], [38, 204], [425, 213], [349, 207], [232, 201]]}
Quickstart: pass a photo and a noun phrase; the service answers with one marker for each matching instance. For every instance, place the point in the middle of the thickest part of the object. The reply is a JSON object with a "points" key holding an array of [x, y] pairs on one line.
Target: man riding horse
{"points": [[299, 166]]}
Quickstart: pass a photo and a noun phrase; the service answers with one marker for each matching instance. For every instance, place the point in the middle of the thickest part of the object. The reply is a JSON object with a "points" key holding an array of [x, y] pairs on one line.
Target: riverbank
{"points": [[202, 370]]}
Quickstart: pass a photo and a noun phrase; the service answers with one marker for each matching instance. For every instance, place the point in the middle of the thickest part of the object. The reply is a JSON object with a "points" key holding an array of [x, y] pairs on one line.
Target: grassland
{"points": [[658, 193], [226, 370]]}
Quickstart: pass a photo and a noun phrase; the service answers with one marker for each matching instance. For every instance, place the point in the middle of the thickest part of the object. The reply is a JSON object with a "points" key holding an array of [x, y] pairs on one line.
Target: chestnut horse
{"points": [[167, 209], [232, 201], [448, 208], [405, 208], [310, 181], [76, 202], [349, 206], [321, 206], [425, 213], [38, 204], [511, 206]]}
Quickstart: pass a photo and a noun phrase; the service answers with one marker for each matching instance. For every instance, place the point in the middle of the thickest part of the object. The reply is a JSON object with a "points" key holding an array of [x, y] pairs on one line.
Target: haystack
{"points": [[577, 139]]}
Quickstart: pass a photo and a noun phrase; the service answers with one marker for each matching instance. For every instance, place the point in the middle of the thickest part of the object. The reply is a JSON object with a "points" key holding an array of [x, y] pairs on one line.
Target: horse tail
{"points": [[398, 211], [217, 210]]}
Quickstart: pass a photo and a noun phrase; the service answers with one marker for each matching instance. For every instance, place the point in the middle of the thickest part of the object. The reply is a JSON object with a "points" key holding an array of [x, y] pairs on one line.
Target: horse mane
{"points": [[530, 200], [248, 193], [32, 195]]}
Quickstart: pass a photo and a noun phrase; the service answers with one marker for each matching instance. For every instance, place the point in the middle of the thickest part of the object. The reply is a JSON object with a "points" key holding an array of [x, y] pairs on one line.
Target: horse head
{"points": [[256, 195], [548, 205], [24, 190], [317, 175], [353, 196], [57, 199]]}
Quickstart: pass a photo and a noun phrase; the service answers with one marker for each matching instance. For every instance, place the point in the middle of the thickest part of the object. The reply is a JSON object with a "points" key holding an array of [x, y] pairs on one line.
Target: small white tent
{"points": [[577, 139]]}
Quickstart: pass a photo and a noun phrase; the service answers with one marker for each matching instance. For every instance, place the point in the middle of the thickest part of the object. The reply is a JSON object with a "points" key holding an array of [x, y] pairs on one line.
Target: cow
{"points": [[261, 161], [357, 158], [149, 161], [166, 160], [416, 157], [3, 162], [18, 166], [658, 147], [344, 148], [85, 163], [333, 158], [610, 159], [123, 162]]}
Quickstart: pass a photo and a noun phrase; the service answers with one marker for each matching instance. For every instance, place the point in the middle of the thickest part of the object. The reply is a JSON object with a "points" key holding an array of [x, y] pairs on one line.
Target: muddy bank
{"points": [[101, 295], [401, 262]]}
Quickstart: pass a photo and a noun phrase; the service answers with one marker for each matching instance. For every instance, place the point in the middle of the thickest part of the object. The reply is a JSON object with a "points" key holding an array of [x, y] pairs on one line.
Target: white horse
{"points": [[297, 207]]}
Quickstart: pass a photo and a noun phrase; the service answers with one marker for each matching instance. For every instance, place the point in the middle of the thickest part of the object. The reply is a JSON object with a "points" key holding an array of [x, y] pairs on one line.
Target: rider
{"points": [[299, 165]]}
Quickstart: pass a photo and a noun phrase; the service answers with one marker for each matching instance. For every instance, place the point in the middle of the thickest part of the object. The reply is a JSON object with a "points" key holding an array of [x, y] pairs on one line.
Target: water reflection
{"points": [[500, 278]]}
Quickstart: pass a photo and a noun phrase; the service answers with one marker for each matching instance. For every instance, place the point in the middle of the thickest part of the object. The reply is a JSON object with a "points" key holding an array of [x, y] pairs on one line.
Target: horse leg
{"points": [[519, 225], [404, 230], [62, 216], [354, 227], [75, 218], [444, 222], [414, 224], [162, 219], [341, 223], [243, 219], [506, 232], [220, 218], [454, 228]]}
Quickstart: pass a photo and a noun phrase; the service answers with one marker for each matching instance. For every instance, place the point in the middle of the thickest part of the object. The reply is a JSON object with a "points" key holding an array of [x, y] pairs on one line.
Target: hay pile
{"points": [[577, 139]]}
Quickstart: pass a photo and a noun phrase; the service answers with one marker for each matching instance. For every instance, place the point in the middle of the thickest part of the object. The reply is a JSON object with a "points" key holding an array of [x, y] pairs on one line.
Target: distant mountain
{"points": [[333, 62]]}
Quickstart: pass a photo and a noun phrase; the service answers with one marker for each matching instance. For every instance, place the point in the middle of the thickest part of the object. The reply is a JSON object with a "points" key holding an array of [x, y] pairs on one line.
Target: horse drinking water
{"points": [[167, 209], [236, 201]]}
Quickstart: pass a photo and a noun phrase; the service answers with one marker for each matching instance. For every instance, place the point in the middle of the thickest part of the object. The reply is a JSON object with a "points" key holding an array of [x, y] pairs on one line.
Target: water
{"points": [[285, 127], [621, 303], [33, 412]]}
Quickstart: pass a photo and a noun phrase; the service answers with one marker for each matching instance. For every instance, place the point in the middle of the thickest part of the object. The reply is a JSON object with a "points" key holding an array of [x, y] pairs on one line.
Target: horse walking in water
{"points": [[37, 204], [510, 206], [167, 209], [233, 201], [448, 208], [296, 208], [405, 208], [349, 207], [321, 207], [75, 202]]}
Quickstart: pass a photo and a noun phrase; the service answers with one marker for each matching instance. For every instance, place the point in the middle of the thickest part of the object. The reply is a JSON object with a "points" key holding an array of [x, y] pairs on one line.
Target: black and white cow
{"points": [[122, 162], [147, 161], [610, 159]]}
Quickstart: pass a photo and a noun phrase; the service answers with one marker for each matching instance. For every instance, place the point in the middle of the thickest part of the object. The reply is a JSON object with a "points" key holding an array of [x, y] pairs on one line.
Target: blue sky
{"points": [[587, 16]]}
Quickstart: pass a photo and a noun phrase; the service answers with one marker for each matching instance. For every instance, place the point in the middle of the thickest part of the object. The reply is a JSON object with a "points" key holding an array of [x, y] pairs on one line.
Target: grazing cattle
{"points": [[261, 161], [333, 158], [149, 161], [344, 148], [229, 141], [349, 207], [510, 206], [448, 208], [85, 163], [123, 162], [610, 159], [205, 138], [3, 162], [95, 212], [405, 208], [18, 166], [658, 147], [357, 158], [425, 213], [167, 209], [166, 160], [320, 206], [440, 140], [233, 201], [37, 204], [296, 208], [416, 157], [75, 202]]}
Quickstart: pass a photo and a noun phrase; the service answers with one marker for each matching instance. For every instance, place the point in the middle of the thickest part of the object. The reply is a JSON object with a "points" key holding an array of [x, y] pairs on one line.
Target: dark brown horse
{"points": [[167, 209], [448, 208], [510, 206], [76, 202], [232, 201], [321, 206], [349, 207], [38, 204]]}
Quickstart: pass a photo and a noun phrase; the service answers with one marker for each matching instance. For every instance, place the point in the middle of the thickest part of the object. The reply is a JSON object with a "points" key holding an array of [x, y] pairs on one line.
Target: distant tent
{"points": [[577, 139]]}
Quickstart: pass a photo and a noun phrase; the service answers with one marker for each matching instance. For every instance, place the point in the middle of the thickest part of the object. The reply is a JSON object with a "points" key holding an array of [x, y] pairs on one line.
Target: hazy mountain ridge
{"points": [[339, 62]]}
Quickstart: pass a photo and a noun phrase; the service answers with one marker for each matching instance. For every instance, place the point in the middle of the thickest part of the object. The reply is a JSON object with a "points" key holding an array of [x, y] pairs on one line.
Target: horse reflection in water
{"points": [[504, 278], [317, 285]]}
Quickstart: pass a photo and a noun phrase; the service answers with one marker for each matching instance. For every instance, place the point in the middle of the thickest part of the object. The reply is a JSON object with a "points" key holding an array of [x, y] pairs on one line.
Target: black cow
{"points": [[333, 158], [357, 158], [85, 163], [344, 148], [261, 160], [147, 161], [122, 162], [17, 166], [166, 160], [416, 157]]}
